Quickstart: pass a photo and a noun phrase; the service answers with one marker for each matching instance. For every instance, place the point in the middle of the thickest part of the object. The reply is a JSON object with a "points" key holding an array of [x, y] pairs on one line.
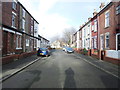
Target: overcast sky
{"points": [[56, 15]]}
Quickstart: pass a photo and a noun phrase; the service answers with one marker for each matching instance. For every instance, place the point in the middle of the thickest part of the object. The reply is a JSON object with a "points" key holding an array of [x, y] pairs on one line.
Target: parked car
{"points": [[69, 50], [64, 48], [43, 52]]}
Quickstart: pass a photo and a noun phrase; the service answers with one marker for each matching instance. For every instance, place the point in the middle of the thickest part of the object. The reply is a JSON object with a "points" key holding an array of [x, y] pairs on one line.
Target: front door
{"points": [[4, 43], [118, 42], [102, 42]]}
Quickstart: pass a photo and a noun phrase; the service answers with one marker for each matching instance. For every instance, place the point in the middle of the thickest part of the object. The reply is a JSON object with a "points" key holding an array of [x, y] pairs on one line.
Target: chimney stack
{"points": [[80, 26], [102, 5], [89, 18], [95, 12]]}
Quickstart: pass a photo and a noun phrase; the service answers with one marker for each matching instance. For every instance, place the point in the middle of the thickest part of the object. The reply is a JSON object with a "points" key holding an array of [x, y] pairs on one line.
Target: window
{"points": [[18, 42], [27, 42], [31, 20], [31, 30], [118, 42], [95, 26], [95, 42], [13, 20], [107, 40], [92, 43], [35, 43], [88, 30], [23, 24], [23, 13], [14, 5], [107, 18], [102, 41], [118, 9], [84, 32], [80, 34], [88, 43]]}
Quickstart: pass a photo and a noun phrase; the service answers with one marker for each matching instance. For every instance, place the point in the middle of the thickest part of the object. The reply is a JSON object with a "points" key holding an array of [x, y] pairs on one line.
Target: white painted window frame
{"points": [[19, 36], [107, 19], [13, 4], [95, 25], [118, 9], [35, 43], [23, 24], [23, 13], [106, 38], [9, 30], [13, 22], [27, 42], [102, 43]]}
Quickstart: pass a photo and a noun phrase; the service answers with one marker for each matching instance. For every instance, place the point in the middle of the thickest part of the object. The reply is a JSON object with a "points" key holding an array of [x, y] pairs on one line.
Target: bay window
{"points": [[18, 41]]}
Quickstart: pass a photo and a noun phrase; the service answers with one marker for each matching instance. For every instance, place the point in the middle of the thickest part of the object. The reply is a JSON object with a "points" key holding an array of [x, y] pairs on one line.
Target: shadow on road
{"points": [[110, 82], [69, 80], [37, 76]]}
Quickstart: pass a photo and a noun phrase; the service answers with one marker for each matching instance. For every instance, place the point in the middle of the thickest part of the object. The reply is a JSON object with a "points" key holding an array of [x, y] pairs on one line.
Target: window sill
{"points": [[18, 48], [22, 30], [118, 14], [15, 9], [106, 27], [14, 27]]}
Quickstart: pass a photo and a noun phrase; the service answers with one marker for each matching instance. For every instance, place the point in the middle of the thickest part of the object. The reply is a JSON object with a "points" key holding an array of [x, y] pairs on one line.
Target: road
{"points": [[61, 70]]}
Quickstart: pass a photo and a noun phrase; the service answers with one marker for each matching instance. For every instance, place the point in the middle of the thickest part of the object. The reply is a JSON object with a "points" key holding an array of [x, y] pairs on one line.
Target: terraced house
{"points": [[19, 32], [100, 35]]}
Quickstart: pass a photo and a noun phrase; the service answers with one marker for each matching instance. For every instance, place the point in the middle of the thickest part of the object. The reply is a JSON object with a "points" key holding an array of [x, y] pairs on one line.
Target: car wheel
{"points": [[46, 55]]}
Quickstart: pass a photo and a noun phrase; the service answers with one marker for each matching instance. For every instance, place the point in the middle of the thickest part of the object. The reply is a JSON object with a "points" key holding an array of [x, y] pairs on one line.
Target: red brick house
{"points": [[109, 32], [105, 33], [9, 26], [94, 36], [19, 32]]}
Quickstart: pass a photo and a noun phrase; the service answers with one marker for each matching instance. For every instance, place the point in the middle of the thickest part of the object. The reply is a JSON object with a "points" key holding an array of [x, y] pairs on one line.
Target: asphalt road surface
{"points": [[61, 70]]}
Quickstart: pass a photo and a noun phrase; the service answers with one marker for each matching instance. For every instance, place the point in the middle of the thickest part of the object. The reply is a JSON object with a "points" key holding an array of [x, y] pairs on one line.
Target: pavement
{"points": [[13, 67], [101, 64], [62, 70]]}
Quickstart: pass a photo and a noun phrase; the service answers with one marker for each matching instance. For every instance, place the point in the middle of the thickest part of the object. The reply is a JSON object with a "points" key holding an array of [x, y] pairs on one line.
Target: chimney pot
{"points": [[95, 12], [89, 18], [102, 5]]}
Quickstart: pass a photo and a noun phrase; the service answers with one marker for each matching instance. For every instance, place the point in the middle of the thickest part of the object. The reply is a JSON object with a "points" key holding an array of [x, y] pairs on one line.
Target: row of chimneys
{"points": [[101, 7], [95, 12]]}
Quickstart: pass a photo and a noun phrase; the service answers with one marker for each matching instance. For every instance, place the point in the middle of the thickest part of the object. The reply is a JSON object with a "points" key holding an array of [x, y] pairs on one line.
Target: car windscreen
{"points": [[69, 49], [43, 49]]}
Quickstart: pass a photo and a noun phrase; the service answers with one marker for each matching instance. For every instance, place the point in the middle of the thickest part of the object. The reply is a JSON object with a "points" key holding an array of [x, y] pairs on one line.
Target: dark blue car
{"points": [[43, 52]]}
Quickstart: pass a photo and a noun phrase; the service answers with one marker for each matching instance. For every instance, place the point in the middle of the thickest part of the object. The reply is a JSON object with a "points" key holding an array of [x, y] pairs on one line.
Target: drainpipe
{"points": [[98, 36]]}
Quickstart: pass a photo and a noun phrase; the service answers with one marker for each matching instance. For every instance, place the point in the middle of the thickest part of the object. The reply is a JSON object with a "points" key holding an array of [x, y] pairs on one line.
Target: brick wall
{"points": [[110, 29], [7, 14], [9, 34]]}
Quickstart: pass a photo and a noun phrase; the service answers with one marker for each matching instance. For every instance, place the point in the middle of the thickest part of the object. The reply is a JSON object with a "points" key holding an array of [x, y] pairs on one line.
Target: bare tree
{"points": [[67, 35], [65, 39]]}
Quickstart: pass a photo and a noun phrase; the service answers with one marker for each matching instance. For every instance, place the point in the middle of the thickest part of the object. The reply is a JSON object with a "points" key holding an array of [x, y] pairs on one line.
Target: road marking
{"points": [[10, 75], [99, 67]]}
